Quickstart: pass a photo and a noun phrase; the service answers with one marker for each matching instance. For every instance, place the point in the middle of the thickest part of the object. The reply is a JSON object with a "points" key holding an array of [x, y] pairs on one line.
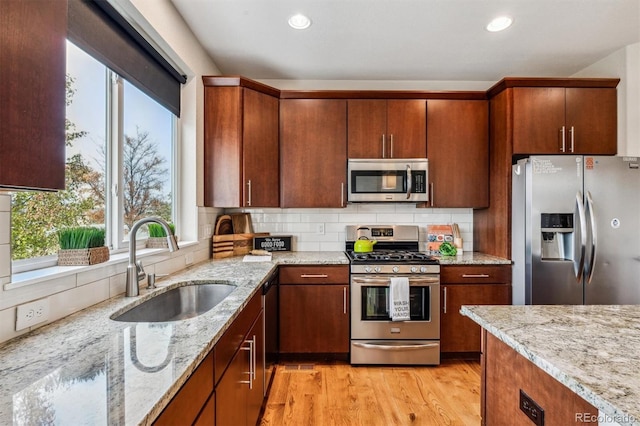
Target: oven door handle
{"points": [[384, 347], [385, 281]]}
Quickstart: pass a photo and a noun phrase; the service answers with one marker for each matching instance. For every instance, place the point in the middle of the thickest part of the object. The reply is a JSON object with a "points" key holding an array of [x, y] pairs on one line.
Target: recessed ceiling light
{"points": [[500, 23], [299, 22]]}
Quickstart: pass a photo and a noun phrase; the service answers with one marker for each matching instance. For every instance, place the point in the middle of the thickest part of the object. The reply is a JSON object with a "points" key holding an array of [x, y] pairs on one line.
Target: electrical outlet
{"points": [[32, 313], [531, 409], [321, 228], [188, 258], [207, 231]]}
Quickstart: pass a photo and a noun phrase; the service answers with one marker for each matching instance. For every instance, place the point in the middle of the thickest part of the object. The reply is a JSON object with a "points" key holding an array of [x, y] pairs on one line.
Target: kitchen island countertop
{"points": [[89, 369], [593, 350]]}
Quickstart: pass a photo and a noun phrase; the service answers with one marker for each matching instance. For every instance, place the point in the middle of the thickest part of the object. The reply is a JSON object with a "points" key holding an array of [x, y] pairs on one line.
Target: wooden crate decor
{"points": [[80, 257], [228, 245]]}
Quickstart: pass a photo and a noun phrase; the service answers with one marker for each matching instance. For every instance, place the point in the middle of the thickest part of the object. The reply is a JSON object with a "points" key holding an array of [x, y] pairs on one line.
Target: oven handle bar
{"points": [[385, 281], [386, 347]]}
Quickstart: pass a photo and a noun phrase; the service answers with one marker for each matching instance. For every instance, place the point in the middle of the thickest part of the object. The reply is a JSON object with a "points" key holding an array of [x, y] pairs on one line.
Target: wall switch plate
{"points": [[188, 258], [531, 409], [32, 313], [321, 228]]}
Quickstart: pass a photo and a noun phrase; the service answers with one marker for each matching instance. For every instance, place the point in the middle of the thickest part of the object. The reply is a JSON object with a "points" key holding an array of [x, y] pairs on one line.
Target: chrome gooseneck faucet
{"points": [[135, 272]]}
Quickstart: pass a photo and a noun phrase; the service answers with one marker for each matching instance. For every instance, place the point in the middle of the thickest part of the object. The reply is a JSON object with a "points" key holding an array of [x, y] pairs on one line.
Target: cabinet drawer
{"points": [[337, 274], [475, 274], [235, 334]]}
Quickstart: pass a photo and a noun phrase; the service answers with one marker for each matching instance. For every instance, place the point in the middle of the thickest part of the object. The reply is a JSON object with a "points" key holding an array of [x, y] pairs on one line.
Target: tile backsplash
{"points": [[324, 229]]}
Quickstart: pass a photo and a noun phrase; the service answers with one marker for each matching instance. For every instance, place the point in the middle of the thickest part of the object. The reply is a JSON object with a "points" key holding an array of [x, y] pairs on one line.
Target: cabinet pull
{"points": [[344, 300], [444, 304], [391, 145], [249, 192], [341, 194], [571, 132], [384, 147], [314, 276], [562, 137], [431, 191], [251, 371], [475, 275]]}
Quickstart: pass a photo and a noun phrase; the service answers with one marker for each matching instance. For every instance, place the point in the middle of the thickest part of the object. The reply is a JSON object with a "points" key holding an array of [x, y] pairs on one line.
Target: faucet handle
{"points": [[140, 270]]}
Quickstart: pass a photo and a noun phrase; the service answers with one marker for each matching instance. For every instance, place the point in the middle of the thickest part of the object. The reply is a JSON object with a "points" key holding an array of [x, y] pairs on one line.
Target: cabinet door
{"points": [[538, 120], [407, 128], [591, 119], [222, 149], [32, 112], [458, 153], [314, 319], [232, 390], [458, 333], [256, 390], [260, 153], [367, 125], [313, 152]]}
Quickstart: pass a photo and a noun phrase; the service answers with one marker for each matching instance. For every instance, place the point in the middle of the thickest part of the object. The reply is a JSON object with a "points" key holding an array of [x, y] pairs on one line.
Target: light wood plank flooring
{"points": [[338, 394]]}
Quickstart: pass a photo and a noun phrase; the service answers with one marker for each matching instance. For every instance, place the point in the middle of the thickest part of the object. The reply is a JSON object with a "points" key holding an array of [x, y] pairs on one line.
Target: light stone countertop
{"points": [[473, 258], [594, 350], [88, 369]]}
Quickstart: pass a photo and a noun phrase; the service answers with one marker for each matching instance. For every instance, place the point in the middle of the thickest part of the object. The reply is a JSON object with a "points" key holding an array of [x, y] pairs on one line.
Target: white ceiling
{"points": [[409, 39]]}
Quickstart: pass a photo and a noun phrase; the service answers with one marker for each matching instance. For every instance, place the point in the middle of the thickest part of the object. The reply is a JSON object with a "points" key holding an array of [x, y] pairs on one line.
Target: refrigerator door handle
{"points": [[594, 234], [578, 264]]}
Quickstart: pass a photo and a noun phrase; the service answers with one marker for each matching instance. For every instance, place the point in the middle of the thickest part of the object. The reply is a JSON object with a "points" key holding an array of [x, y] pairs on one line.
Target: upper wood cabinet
{"points": [[313, 152], [558, 120], [241, 144], [387, 128], [458, 153], [32, 107]]}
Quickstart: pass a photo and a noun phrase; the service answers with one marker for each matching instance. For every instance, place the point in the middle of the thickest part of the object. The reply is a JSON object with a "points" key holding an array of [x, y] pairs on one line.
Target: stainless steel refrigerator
{"points": [[576, 230]]}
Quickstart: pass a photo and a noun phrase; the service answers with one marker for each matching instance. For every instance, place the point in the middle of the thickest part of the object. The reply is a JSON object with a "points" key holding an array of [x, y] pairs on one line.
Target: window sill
{"points": [[36, 276]]}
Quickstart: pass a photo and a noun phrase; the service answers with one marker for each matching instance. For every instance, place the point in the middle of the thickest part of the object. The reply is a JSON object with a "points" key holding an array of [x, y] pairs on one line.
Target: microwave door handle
{"points": [[409, 181]]}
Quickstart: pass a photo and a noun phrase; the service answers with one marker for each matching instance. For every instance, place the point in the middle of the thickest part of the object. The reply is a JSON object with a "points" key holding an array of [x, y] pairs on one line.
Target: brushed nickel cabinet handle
{"points": [[572, 133], [314, 276], [384, 147], [249, 192], [341, 194], [475, 275], [344, 300], [391, 145], [444, 304], [562, 136]]}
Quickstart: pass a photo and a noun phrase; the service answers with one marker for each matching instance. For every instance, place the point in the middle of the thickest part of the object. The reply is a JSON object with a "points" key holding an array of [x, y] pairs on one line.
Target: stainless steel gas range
{"points": [[375, 338]]}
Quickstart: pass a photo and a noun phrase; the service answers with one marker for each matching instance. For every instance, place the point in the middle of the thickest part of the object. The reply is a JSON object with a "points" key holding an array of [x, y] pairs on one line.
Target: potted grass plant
{"points": [[157, 235], [82, 245]]}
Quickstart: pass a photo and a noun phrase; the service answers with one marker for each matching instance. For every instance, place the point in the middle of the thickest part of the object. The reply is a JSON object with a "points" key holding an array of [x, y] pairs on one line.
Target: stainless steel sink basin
{"points": [[177, 304]]}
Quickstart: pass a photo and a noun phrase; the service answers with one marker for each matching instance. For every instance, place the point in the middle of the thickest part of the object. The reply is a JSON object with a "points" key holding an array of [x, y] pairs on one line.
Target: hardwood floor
{"points": [[338, 394]]}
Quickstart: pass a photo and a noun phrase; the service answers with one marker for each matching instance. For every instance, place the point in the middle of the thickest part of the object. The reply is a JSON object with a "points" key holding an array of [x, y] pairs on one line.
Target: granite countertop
{"points": [[473, 258], [88, 369], [594, 350]]}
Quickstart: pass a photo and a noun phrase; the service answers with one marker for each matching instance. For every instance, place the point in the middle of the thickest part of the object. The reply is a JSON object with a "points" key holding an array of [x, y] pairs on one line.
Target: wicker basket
{"points": [[78, 257], [157, 242]]}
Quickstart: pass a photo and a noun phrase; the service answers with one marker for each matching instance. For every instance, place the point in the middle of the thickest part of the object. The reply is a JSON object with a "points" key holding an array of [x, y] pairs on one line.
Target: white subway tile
{"points": [[5, 228], [5, 260], [117, 284], [68, 302], [395, 218]]}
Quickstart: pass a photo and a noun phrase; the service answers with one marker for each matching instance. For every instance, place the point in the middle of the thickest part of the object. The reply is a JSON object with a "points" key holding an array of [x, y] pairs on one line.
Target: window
{"points": [[120, 168]]}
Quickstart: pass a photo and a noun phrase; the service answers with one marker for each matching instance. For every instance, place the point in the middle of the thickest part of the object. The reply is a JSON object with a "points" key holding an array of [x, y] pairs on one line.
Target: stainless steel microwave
{"points": [[388, 180]]}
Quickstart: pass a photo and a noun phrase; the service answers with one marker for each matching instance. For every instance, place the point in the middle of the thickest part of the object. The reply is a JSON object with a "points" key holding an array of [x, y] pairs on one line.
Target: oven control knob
{"points": [[377, 269], [367, 269], [414, 269], [423, 269], [395, 269]]}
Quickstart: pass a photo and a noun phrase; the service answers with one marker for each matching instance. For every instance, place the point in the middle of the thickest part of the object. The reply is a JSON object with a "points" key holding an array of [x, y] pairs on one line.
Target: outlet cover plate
{"points": [[32, 313]]}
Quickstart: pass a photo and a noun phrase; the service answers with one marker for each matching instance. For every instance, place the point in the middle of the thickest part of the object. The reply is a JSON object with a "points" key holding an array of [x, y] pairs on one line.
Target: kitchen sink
{"points": [[177, 304]]}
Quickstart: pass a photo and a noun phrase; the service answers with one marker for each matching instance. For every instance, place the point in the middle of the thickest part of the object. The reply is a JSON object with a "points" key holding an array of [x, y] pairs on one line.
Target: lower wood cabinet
{"points": [[469, 285], [227, 388], [314, 310], [240, 391], [505, 374]]}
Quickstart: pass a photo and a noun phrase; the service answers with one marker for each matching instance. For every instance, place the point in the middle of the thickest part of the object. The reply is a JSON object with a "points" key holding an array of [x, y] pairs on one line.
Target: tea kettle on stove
{"points": [[364, 243]]}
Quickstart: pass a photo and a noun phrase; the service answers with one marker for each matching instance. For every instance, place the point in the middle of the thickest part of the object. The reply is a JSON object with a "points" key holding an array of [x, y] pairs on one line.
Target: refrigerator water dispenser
{"points": [[557, 236]]}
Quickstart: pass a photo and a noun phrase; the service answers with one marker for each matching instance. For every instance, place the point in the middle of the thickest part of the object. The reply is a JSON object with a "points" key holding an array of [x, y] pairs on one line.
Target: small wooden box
{"points": [[233, 244]]}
